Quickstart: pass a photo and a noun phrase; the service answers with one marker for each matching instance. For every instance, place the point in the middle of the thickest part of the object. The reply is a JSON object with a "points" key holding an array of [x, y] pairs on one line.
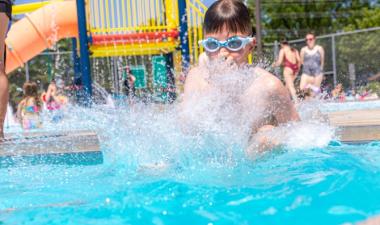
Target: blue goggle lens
{"points": [[233, 44], [211, 44]]}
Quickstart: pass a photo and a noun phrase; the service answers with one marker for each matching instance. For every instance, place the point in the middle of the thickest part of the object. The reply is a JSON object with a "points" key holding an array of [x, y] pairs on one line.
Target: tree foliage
{"points": [[42, 69], [360, 49], [294, 18]]}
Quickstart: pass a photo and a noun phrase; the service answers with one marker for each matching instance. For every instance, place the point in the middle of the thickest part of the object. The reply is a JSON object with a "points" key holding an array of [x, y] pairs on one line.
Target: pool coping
{"points": [[77, 147], [356, 126]]}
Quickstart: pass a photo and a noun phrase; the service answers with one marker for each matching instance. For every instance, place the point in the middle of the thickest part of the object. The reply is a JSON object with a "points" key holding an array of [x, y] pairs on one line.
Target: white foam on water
{"points": [[206, 136], [214, 128]]}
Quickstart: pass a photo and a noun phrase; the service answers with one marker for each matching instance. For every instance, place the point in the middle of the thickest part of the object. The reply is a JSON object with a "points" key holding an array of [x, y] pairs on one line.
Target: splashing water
{"points": [[158, 170], [9, 120]]}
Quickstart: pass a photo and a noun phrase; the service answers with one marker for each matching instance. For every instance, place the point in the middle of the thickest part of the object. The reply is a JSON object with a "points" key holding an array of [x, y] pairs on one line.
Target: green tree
{"points": [[294, 18], [42, 69], [361, 49]]}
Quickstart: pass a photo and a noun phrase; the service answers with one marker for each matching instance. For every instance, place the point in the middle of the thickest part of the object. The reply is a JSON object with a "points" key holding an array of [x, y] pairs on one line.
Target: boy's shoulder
{"points": [[267, 79]]}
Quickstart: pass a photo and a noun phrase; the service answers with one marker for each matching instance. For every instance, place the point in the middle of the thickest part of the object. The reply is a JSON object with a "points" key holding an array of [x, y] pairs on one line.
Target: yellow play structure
{"points": [[115, 28]]}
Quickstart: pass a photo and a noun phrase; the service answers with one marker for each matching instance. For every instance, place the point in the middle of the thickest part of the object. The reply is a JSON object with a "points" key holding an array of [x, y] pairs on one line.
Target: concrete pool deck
{"points": [[76, 147], [356, 126]]}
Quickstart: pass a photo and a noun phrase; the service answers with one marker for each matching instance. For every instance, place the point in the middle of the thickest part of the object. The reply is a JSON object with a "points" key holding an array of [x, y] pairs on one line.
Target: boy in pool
{"points": [[228, 35]]}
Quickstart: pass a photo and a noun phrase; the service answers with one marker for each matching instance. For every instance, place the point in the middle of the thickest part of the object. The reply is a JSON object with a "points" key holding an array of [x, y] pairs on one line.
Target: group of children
{"points": [[32, 104], [338, 93]]}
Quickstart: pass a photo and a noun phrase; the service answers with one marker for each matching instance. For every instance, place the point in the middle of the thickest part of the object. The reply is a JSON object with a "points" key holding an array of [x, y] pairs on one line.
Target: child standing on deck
{"points": [[228, 38], [28, 110]]}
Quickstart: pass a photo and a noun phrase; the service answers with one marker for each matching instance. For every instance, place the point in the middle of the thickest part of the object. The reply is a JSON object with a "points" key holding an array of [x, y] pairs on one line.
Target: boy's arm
{"points": [[192, 92], [278, 99], [193, 84]]}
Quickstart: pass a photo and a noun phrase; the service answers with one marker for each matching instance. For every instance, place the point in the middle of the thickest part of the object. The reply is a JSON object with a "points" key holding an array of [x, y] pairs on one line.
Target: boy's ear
{"points": [[254, 41], [253, 44]]}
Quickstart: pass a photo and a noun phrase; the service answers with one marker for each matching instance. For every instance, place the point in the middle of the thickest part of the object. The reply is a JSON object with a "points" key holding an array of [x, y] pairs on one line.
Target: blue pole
{"points": [[84, 53], [77, 73], [185, 51], [76, 62]]}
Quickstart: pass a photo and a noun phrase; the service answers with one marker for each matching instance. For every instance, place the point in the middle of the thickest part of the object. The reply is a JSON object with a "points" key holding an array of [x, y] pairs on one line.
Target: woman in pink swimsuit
{"points": [[290, 59]]}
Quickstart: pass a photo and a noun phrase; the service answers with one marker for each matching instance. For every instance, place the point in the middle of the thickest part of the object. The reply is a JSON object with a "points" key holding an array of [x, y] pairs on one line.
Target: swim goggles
{"points": [[234, 43]]}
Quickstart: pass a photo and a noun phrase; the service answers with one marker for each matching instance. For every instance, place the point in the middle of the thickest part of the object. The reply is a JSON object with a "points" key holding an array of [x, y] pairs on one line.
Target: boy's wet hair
{"points": [[230, 14]]}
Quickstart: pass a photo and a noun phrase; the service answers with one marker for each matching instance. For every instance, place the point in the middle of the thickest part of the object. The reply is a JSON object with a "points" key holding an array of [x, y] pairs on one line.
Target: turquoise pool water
{"points": [[357, 105], [154, 174]]}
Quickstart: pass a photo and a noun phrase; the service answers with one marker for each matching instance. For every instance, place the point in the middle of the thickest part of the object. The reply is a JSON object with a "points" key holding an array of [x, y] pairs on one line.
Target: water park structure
{"points": [[167, 29]]}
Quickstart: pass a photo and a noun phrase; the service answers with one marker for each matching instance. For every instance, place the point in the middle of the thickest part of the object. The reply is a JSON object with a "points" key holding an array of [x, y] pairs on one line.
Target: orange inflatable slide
{"points": [[40, 30]]}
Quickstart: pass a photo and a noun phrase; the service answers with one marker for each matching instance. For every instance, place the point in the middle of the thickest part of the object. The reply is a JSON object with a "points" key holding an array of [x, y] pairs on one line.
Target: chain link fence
{"points": [[351, 58]]}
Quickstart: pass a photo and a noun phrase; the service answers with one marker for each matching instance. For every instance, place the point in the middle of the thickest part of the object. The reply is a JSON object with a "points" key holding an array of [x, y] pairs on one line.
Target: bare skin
{"points": [[311, 79], [289, 75], [267, 93], [29, 101], [4, 86], [51, 91], [371, 221], [52, 94]]}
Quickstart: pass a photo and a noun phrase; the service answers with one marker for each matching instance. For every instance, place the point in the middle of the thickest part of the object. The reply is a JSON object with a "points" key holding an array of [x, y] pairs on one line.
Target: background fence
{"points": [[350, 57]]}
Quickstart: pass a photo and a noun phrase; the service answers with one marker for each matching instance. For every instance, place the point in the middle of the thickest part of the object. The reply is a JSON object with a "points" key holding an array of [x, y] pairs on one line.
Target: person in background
{"points": [[5, 17], [129, 83], [304, 95], [312, 59], [54, 97], [55, 100], [338, 93], [28, 110], [289, 57]]}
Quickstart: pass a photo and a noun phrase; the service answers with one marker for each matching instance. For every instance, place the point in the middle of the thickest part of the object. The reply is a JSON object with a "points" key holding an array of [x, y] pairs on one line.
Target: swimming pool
{"points": [[354, 105], [153, 175]]}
